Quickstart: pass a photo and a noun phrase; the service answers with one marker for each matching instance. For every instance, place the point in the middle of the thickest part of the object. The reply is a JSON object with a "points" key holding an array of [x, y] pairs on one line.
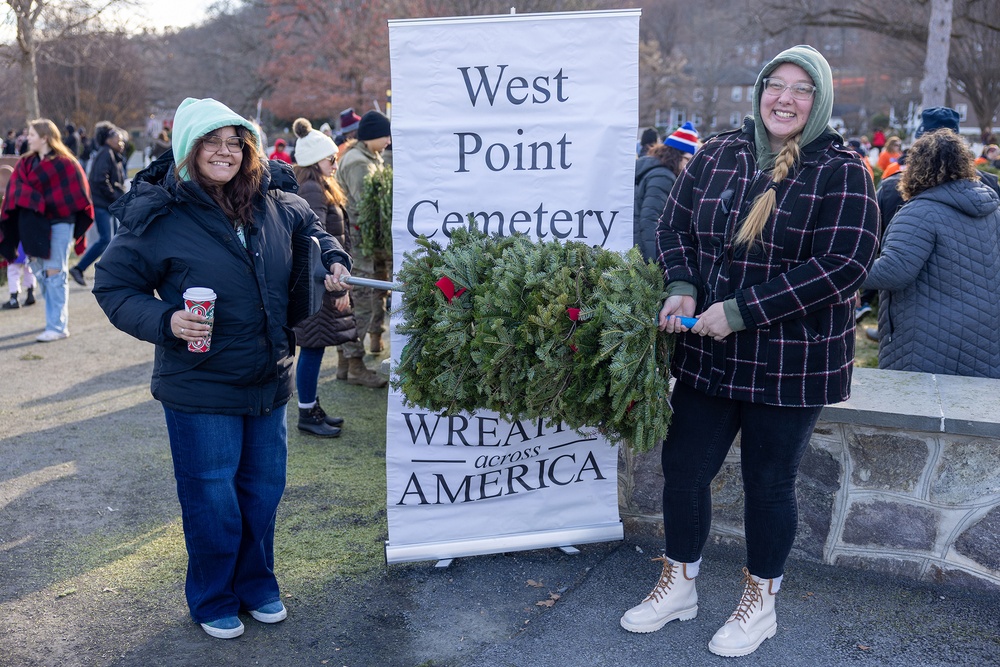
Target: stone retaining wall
{"points": [[903, 478]]}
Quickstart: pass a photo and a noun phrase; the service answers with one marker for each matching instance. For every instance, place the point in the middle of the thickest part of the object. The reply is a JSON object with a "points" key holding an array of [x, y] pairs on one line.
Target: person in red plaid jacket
{"points": [[765, 238], [47, 206]]}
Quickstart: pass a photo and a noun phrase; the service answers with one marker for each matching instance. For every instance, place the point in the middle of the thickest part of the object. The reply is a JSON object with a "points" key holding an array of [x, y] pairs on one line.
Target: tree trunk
{"points": [[29, 75], [935, 84]]}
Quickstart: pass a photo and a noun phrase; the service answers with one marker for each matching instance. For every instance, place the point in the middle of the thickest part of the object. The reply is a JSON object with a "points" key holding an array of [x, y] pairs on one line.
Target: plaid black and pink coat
{"points": [[795, 290]]}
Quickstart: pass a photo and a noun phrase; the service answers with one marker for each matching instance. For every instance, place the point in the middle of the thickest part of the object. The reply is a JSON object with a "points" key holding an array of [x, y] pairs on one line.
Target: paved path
{"points": [[82, 452]]}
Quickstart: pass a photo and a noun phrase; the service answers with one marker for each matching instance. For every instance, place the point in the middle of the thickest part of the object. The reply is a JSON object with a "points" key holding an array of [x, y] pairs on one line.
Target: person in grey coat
{"points": [[939, 307]]}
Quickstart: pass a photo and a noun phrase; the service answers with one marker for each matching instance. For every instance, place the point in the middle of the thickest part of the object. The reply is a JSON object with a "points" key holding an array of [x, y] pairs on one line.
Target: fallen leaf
{"points": [[534, 584], [545, 603], [863, 647], [68, 591]]}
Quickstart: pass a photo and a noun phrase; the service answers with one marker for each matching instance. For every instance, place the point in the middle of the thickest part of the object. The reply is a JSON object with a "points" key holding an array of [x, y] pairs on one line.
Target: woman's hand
{"points": [[713, 323], [334, 279], [343, 302], [678, 306], [189, 327]]}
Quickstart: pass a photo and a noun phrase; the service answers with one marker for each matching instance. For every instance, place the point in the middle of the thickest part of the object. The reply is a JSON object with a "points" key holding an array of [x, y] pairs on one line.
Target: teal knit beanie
{"points": [[818, 69], [195, 118]]}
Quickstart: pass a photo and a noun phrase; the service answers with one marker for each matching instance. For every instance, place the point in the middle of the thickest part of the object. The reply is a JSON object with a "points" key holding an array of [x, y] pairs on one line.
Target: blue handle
{"points": [[686, 321]]}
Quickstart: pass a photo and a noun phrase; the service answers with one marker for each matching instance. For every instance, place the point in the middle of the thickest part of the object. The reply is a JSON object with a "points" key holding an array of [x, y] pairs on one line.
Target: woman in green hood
{"points": [[765, 238]]}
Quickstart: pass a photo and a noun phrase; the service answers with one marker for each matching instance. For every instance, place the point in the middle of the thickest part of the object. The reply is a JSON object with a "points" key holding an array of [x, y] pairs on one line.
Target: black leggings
{"points": [[773, 440]]}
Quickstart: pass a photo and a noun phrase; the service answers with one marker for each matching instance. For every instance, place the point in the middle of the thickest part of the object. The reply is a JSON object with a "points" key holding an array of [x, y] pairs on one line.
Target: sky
{"points": [[177, 13], [154, 13]]}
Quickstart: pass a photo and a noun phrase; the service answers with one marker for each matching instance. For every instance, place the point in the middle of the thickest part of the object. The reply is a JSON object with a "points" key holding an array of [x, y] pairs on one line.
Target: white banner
{"points": [[528, 122]]}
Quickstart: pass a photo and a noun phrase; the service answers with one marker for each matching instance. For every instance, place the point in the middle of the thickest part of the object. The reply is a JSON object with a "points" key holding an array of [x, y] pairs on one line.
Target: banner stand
{"points": [[503, 543]]}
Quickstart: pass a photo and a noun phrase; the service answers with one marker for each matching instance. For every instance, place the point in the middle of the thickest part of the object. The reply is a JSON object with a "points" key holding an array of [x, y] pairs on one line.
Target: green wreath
{"points": [[375, 212], [565, 332]]}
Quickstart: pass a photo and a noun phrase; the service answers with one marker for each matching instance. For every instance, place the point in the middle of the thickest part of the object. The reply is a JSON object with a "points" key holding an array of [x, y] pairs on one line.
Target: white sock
{"points": [[306, 406], [776, 584], [692, 568]]}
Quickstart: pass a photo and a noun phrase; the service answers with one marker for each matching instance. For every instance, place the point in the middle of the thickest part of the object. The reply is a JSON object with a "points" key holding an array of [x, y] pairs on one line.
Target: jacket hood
{"points": [[972, 198], [156, 189], [818, 69]]}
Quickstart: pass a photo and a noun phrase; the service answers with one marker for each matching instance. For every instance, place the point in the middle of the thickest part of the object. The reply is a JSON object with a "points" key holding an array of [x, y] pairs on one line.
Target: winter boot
{"points": [[753, 621], [375, 342], [341, 366], [12, 303], [673, 598], [30, 301], [313, 420], [358, 373], [332, 421]]}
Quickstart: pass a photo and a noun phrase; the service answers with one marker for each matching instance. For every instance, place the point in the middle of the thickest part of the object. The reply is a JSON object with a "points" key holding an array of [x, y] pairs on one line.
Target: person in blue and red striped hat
{"points": [[655, 174]]}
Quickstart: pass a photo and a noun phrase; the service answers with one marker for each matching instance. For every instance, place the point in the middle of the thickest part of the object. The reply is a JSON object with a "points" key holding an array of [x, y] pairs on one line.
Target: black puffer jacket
{"points": [[173, 236], [107, 178], [329, 326], [652, 186]]}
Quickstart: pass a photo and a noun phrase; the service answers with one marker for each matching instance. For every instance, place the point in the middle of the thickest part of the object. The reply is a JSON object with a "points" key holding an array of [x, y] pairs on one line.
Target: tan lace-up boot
{"points": [[753, 621], [673, 598], [358, 373]]}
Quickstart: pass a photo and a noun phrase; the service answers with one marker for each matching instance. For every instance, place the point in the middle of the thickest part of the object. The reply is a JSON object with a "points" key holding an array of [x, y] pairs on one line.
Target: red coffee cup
{"points": [[201, 301]]}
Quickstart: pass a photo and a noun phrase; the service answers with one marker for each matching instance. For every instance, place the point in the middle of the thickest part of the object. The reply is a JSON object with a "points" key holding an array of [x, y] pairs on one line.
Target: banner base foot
{"points": [[570, 550]]}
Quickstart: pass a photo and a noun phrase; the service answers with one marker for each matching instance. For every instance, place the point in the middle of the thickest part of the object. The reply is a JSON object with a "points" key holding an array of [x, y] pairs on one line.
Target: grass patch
{"points": [[332, 523], [865, 349]]}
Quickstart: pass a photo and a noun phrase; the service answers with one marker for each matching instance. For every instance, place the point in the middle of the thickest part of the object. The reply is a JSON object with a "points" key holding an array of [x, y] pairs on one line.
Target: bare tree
{"points": [[31, 22], [935, 82], [975, 26]]}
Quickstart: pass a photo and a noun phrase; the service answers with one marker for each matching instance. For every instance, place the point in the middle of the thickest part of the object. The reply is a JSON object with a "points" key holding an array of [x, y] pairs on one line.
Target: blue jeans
{"points": [[772, 442], [102, 220], [307, 373], [230, 473], [55, 288]]}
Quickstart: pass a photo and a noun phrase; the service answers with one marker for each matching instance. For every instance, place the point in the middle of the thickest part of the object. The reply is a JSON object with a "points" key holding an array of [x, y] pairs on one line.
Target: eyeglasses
{"points": [[214, 143], [800, 91], [332, 160]]}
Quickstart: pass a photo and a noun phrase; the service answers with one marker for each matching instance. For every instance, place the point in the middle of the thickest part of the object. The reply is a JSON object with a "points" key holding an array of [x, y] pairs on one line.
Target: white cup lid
{"points": [[199, 293]]}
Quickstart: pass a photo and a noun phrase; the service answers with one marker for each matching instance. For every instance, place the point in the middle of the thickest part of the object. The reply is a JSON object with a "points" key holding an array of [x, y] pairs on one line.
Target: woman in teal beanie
{"points": [[765, 238], [213, 213]]}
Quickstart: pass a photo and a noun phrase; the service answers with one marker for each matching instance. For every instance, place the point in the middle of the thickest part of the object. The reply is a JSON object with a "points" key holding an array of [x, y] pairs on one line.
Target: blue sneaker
{"points": [[272, 612], [861, 311], [227, 627]]}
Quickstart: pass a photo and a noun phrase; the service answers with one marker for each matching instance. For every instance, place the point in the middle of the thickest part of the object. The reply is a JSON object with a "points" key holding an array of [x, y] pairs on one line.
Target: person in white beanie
{"points": [[334, 324]]}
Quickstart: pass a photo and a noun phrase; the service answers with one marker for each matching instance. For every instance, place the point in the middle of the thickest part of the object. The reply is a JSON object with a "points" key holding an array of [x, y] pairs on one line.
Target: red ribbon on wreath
{"points": [[445, 285], [574, 315]]}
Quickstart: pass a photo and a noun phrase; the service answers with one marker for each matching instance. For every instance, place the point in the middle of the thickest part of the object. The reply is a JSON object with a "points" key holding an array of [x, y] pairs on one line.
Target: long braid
{"points": [[753, 226]]}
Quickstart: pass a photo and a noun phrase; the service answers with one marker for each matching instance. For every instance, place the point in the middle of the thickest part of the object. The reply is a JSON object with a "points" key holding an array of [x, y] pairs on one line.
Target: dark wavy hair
{"points": [[936, 158], [238, 197], [668, 156]]}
